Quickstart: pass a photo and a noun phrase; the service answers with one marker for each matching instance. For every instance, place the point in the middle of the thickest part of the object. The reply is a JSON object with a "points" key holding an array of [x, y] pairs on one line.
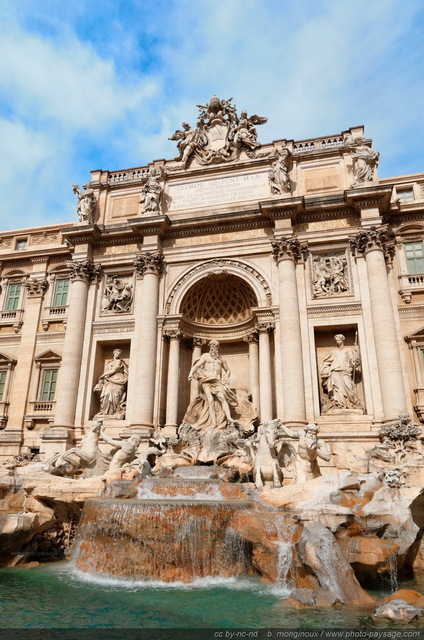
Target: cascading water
{"points": [[179, 529]]}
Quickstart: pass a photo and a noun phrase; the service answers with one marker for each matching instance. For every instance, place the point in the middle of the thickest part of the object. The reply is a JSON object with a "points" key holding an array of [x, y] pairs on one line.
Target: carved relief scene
{"points": [[330, 275], [117, 294], [339, 372]]}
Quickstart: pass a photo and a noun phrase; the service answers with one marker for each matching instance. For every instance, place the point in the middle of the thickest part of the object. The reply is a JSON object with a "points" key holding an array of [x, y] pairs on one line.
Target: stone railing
{"points": [[45, 408], [14, 318], [57, 311], [409, 284], [130, 175], [331, 142]]}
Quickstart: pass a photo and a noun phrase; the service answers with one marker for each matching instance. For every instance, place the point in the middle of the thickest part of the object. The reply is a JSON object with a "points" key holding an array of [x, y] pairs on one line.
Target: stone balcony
{"points": [[12, 317], [409, 284], [40, 411], [54, 314], [4, 406]]}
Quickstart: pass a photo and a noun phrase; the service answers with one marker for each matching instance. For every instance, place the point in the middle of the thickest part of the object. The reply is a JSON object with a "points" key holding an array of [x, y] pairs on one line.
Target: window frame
{"points": [[50, 383], [17, 298], [57, 293], [413, 266]]}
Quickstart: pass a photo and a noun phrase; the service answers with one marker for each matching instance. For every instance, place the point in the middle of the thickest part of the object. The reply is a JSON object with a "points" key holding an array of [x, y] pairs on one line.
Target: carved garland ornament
{"points": [[374, 238], [220, 263]]}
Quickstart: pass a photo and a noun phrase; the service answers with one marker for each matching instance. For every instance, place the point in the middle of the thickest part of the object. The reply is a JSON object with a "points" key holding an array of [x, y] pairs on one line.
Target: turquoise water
{"points": [[56, 596]]}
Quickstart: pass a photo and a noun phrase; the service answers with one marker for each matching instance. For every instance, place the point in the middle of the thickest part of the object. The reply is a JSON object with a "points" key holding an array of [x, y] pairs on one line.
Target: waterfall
{"points": [[168, 540]]}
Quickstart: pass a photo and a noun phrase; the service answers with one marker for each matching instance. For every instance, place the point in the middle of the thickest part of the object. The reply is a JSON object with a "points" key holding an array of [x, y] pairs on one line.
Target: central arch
{"points": [[218, 266]]}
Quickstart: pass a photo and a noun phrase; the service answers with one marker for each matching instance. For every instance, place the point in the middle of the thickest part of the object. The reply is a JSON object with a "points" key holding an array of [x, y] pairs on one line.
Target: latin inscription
{"points": [[206, 193]]}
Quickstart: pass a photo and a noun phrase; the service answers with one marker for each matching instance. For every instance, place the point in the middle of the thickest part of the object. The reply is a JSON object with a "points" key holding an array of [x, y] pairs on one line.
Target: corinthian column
{"points": [[82, 272], [287, 252], [172, 388], [144, 347], [376, 245], [252, 340], [265, 374]]}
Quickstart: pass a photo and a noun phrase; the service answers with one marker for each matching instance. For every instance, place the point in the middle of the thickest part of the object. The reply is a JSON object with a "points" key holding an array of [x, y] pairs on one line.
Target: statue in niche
{"points": [[365, 160], [212, 406], [87, 202], [151, 192], [339, 372], [310, 448], [118, 294], [278, 175], [112, 385], [330, 276]]}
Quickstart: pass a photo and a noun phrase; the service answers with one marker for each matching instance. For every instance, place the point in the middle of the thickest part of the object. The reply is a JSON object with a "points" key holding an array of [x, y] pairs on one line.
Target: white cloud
{"points": [[81, 92]]}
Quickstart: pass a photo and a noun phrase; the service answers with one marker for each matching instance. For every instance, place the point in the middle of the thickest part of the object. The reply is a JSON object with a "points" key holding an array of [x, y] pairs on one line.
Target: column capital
{"points": [[173, 334], [289, 249], [36, 287], [265, 327], [198, 341], [251, 337], [83, 270], [374, 239], [148, 263]]}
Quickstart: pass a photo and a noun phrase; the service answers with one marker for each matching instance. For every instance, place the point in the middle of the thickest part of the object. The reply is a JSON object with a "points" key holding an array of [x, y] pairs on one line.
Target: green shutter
{"points": [[2, 384], [414, 253], [13, 296], [61, 293], [48, 386]]}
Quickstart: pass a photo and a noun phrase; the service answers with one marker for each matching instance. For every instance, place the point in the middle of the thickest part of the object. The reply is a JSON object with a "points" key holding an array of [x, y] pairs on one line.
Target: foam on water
{"points": [[215, 582], [212, 492]]}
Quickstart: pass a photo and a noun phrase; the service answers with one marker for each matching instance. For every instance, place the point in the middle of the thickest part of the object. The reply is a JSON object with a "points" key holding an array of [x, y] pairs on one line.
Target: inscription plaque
{"points": [[204, 193]]}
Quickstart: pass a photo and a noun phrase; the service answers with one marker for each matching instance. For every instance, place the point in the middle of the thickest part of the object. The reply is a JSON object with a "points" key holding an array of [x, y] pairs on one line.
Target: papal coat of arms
{"points": [[220, 135]]}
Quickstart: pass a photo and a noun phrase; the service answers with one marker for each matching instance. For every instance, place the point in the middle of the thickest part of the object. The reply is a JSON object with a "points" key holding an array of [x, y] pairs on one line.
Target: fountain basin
{"points": [[168, 540]]}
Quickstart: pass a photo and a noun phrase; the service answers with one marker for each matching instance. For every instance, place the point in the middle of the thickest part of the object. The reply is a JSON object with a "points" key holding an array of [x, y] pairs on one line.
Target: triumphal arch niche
{"points": [[228, 301], [293, 255]]}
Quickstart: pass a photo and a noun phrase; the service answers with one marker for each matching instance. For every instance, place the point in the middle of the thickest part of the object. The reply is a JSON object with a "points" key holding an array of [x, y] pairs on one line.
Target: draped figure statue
{"points": [[112, 385]]}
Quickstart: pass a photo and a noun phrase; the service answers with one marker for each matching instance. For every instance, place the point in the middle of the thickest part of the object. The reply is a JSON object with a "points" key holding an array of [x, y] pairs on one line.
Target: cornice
{"points": [[82, 234], [372, 195], [351, 308]]}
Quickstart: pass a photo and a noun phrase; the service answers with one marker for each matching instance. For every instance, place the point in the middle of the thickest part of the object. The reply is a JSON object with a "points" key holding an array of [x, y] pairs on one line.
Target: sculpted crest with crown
{"points": [[220, 136]]}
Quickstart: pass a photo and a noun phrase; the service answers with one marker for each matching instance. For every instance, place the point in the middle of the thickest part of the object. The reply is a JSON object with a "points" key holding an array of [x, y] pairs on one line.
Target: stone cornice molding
{"points": [[87, 234], [150, 225], [36, 287], [289, 249], [149, 263], [374, 239], [83, 270], [371, 195]]}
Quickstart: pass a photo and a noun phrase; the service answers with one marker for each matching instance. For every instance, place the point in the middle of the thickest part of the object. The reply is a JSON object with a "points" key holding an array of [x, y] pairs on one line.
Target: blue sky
{"points": [[89, 85]]}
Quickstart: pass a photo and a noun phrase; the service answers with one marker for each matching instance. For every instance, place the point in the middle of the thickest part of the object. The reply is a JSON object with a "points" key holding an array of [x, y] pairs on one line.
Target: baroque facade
{"points": [[304, 265]]}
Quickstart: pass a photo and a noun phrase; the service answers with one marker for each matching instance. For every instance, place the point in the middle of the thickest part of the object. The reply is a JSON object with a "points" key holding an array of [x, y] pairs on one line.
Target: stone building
{"points": [[272, 249]]}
